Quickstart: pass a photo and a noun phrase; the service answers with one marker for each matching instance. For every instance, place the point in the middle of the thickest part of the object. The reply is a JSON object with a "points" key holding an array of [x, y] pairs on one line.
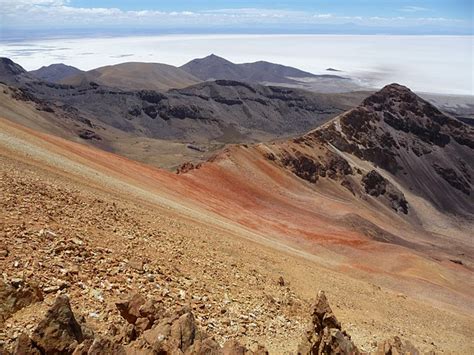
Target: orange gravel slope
{"points": [[242, 192]]}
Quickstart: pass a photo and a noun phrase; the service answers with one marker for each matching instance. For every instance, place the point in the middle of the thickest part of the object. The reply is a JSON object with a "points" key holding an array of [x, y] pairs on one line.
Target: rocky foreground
{"points": [[151, 329]]}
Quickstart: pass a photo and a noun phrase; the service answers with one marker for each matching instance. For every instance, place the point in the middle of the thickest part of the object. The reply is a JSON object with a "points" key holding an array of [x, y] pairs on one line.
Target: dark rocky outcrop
{"points": [[187, 167], [225, 110], [453, 179], [376, 185], [422, 147], [324, 334], [89, 134], [308, 168]]}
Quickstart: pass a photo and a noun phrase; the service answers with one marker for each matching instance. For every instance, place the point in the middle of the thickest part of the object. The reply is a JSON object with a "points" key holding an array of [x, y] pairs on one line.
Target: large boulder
{"points": [[176, 332], [58, 332], [324, 335], [130, 308]]}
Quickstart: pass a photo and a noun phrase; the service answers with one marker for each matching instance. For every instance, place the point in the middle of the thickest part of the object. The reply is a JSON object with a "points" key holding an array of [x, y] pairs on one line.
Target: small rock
{"points": [[281, 281], [130, 308], [51, 289]]}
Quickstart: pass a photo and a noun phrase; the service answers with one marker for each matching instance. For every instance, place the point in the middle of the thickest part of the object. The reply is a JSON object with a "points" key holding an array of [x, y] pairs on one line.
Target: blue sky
{"points": [[461, 9], [300, 16]]}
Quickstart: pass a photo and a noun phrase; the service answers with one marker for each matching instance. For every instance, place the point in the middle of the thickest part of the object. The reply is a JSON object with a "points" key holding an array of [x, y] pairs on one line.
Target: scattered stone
{"points": [[136, 264], [4, 252], [281, 281], [51, 289]]}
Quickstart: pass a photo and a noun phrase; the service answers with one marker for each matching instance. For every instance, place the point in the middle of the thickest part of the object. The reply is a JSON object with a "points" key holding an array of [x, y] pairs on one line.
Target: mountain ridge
{"points": [[55, 73], [214, 67]]}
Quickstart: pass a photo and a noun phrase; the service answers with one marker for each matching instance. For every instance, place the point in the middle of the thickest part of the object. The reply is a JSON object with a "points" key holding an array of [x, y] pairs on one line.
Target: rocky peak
{"points": [[214, 59], [391, 91], [55, 72], [407, 136]]}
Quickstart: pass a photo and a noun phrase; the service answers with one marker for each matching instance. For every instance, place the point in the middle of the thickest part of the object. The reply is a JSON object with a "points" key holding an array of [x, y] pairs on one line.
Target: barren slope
{"points": [[224, 234], [135, 76], [55, 72]]}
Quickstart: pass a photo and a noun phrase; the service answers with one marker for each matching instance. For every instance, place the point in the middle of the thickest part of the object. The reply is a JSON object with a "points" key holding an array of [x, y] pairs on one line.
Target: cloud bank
{"points": [[60, 13]]}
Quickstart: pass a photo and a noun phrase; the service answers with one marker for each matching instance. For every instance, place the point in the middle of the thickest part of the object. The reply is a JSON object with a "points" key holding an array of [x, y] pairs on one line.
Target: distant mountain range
{"points": [[213, 67], [222, 111], [162, 77]]}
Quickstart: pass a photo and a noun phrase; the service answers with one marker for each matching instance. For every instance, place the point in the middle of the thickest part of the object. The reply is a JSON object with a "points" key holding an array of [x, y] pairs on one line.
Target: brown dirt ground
{"points": [[97, 226]]}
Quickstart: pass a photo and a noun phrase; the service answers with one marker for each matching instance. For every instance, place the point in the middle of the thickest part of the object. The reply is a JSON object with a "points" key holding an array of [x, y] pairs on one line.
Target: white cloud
{"points": [[413, 9], [322, 15], [15, 13]]}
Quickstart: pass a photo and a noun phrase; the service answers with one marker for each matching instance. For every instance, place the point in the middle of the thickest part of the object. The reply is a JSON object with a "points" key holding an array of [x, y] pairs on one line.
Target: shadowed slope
{"points": [[427, 151], [55, 72], [213, 67]]}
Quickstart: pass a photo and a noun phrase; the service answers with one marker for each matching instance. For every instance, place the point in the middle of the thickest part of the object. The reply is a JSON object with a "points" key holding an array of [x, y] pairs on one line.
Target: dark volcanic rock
{"points": [[150, 96], [307, 168], [89, 134], [422, 147], [456, 181], [135, 110], [10, 68], [376, 185]]}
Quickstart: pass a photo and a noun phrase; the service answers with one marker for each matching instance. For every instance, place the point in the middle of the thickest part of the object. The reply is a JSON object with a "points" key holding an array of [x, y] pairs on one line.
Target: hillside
{"points": [[218, 237], [138, 124], [135, 76], [213, 67], [55, 72]]}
